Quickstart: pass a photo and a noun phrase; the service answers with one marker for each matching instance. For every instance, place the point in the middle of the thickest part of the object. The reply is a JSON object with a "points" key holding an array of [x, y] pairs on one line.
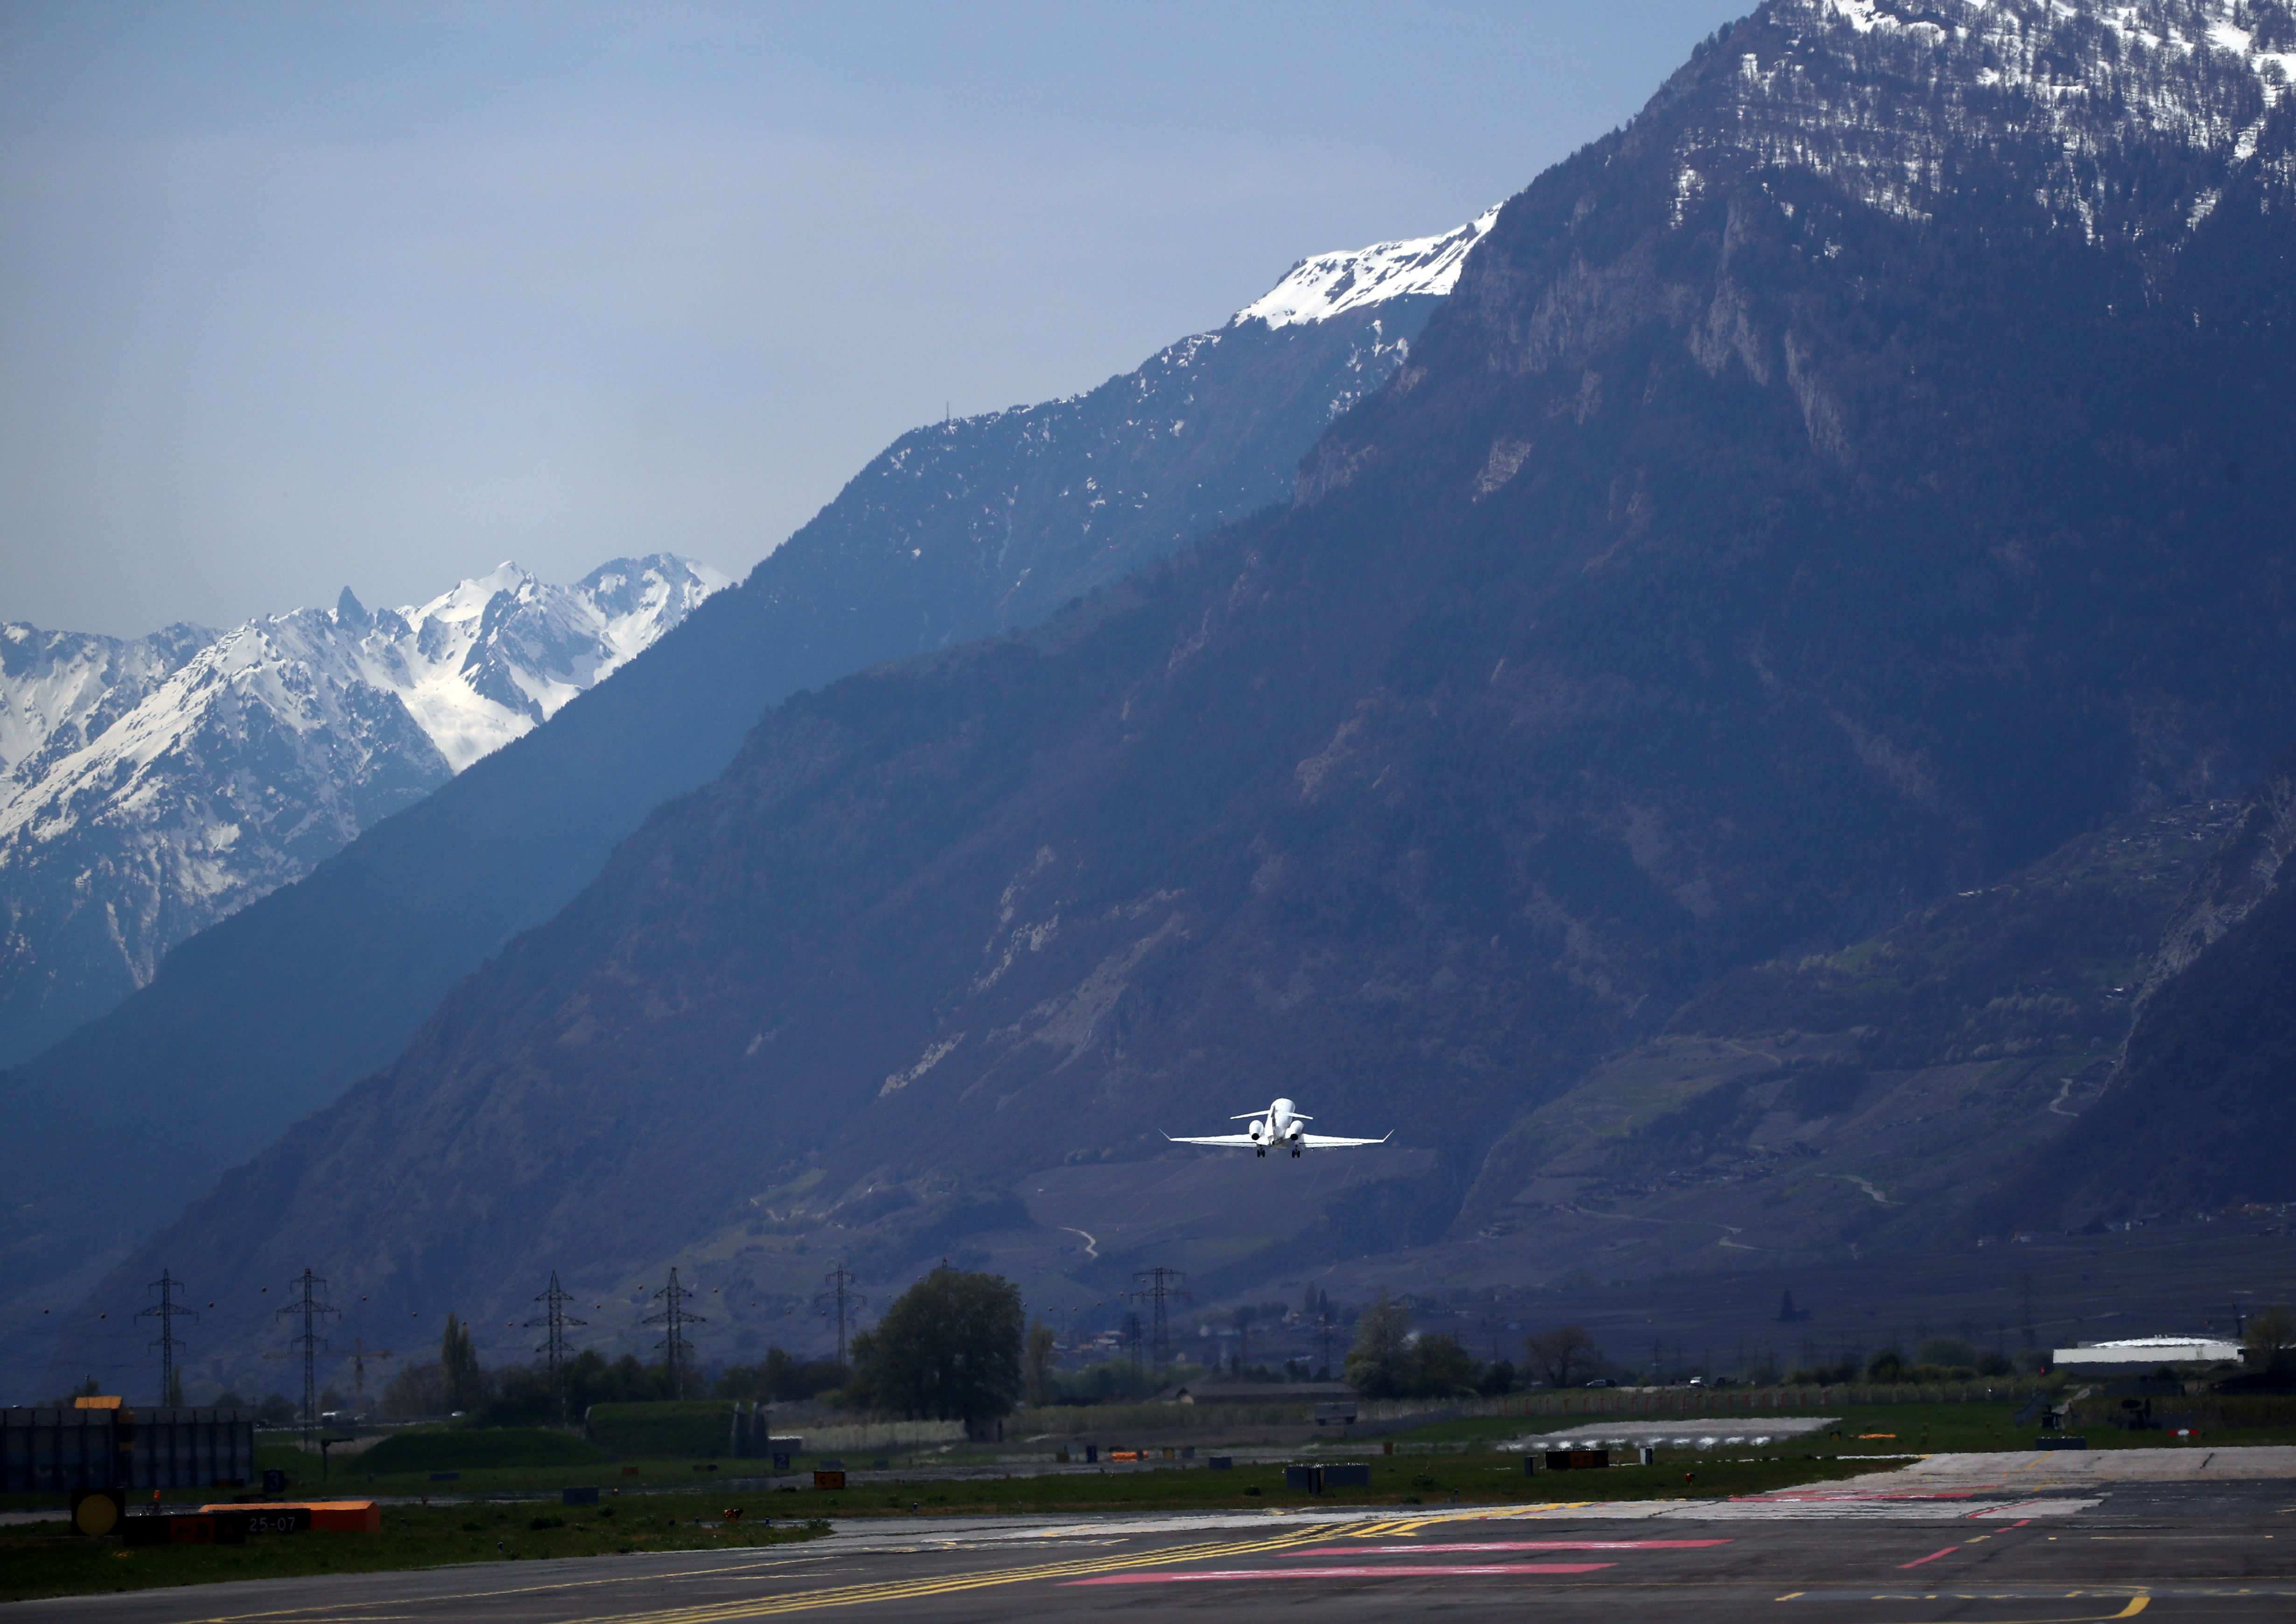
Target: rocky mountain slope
{"points": [[1820, 1108], [156, 786], [1838, 489], [955, 531], [2197, 1113]]}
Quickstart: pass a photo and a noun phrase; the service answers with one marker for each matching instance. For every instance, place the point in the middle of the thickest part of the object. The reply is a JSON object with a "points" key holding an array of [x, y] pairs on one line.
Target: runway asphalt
{"points": [[2170, 1545]]}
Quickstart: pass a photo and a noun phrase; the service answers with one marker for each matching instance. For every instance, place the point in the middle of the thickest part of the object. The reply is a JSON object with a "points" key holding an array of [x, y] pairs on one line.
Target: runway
{"points": [[2162, 1548]]}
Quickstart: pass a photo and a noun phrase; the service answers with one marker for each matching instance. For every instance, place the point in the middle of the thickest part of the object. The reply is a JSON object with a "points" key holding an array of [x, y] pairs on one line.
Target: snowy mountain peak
{"points": [[492, 656], [1351, 279], [150, 787]]}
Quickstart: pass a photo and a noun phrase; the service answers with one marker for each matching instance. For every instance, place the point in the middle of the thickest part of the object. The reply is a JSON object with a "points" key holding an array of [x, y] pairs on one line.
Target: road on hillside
{"points": [[2222, 1552]]}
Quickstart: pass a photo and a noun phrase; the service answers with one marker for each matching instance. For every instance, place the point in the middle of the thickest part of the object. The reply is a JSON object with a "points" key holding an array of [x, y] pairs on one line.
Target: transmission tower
{"points": [[1159, 1286], [676, 1352], [841, 1300], [167, 1311], [313, 1308], [553, 1345]]}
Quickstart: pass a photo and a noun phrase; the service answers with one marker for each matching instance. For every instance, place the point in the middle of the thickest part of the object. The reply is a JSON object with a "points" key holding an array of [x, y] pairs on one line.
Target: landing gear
{"points": [[1262, 1151], [1295, 1152]]}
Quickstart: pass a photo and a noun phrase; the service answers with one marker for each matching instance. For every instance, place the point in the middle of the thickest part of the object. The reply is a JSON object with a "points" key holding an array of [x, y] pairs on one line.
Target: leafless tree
{"points": [[1565, 1356]]}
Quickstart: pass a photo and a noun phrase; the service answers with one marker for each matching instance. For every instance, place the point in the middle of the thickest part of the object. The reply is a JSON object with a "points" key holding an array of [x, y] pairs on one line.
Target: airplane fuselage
{"points": [[1281, 1126]]}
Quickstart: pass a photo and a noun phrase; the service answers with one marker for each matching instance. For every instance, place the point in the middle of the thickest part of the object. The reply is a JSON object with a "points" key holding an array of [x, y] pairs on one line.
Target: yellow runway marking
{"points": [[2136, 1604], [895, 1590]]}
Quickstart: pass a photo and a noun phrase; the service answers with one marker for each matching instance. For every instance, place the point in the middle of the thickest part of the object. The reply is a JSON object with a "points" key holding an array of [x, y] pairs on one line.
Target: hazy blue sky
{"points": [[296, 296]]}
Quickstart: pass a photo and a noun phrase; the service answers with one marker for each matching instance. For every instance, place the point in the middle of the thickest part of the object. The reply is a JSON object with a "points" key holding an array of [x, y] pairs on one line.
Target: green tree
{"points": [[781, 1376], [1040, 1362], [1379, 1364], [458, 1365], [948, 1348], [2270, 1340], [1439, 1368]]}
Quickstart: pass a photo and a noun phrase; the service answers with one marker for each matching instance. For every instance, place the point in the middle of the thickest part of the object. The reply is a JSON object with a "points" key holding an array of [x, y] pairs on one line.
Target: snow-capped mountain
{"points": [[153, 786], [1907, 102], [1800, 509], [990, 522]]}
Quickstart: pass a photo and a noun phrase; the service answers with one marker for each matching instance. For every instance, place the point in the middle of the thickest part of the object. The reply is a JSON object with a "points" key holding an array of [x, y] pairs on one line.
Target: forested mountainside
{"points": [[955, 531], [1849, 482], [155, 786]]}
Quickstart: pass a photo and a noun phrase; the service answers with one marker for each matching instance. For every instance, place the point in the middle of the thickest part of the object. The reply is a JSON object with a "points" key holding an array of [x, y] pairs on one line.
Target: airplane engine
{"points": [[1259, 1130]]}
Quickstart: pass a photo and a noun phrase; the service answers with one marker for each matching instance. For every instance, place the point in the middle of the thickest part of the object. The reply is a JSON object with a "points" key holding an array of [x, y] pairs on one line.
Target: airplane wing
{"points": [[1333, 1142], [1238, 1141]]}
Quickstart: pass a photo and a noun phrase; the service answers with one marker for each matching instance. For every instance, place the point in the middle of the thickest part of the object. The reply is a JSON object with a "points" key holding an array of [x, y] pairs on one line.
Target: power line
{"points": [[841, 1300], [553, 1345], [1161, 1285], [313, 1309], [167, 1311], [676, 1353]]}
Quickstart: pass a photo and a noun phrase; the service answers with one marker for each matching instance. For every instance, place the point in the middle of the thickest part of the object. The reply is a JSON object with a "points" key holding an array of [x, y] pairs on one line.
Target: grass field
{"points": [[516, 1447]]}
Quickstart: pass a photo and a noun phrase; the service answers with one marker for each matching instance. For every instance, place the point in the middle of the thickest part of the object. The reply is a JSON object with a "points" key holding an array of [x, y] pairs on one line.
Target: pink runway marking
{"points": [[1932, 1556], [1510, 1544], [1384, 1570], [1801, 1499]]}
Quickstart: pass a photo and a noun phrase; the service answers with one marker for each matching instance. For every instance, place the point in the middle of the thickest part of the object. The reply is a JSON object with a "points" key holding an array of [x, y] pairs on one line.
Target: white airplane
{"points": [[1279, 1125]]}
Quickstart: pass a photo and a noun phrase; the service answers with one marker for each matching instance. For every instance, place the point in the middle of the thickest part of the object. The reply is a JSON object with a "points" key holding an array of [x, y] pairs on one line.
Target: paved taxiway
{"points": [[2160, 1548]]}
